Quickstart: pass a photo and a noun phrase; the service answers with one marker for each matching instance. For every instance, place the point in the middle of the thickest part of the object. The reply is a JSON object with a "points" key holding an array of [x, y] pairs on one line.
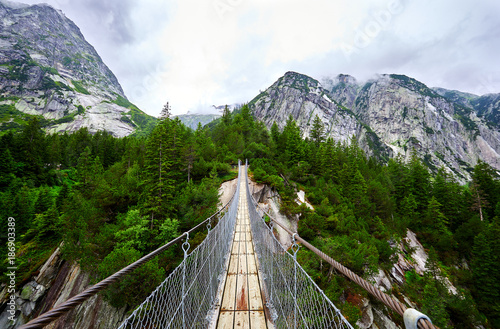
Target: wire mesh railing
{"points": [[292, 297], [186, 298]]}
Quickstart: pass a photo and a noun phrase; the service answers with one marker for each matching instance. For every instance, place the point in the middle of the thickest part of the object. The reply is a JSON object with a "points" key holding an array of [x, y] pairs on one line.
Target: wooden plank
{"points": [[242, 320], [251, 266], [250, 248], [242, 264], [233, 265], [236, 247], [226, 320], [258, 320], [254, 296], [228, 300], [243, 247], [245, 236], [242, 293]]}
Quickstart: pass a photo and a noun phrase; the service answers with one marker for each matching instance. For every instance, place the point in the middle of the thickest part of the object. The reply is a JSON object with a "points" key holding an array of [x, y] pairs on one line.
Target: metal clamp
{"points": [[411, 317], [186, 245], [295, 246]]}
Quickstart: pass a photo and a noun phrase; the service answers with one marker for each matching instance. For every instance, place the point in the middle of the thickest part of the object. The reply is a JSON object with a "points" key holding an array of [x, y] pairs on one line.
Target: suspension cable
{"points": [[392, 303], [73, 302]]}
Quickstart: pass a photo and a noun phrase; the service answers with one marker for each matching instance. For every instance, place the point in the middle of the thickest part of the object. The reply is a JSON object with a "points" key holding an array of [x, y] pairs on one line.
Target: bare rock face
{"points": [[47, 68], [304, 98], [56, 282], [392, 115]]}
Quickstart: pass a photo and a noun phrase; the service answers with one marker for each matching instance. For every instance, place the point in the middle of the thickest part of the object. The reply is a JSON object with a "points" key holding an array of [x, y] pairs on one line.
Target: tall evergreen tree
{"points": [[34, 148], [486, 272], [160, 186], [294, 150], [317, 131]]}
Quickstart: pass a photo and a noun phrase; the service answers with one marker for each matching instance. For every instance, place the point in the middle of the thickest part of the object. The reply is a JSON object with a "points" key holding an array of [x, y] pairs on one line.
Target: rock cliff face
{"points": [[304, 98], [390, 116], [47, 68], [56, 282]]}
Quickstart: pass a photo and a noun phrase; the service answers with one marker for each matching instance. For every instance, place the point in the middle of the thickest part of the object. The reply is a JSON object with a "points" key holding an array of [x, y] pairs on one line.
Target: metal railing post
{"points": [[185, 248], [295, 249]]}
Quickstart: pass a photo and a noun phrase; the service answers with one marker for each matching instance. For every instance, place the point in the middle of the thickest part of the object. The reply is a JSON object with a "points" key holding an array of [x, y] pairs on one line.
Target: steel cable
{"points": [[393, 304], [73, 302]]}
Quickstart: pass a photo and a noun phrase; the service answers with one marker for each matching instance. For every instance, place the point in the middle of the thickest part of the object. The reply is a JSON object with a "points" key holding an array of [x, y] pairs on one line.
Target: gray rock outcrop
{"points": [[56, 282], [47, 68], [390, 116]]}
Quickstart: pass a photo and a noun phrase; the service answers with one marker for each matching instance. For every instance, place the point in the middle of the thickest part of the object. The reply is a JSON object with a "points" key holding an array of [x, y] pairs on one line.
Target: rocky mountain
{"points": [[488, 107], [192, 120], [48, 69], [391, 115]]}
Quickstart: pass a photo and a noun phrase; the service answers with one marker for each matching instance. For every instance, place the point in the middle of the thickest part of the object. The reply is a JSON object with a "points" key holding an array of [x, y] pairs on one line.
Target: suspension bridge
{"points": [[240, 276]]}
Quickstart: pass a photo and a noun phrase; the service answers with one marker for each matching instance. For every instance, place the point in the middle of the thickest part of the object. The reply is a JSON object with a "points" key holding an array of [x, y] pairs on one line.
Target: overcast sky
{"points": [[199, 53]]}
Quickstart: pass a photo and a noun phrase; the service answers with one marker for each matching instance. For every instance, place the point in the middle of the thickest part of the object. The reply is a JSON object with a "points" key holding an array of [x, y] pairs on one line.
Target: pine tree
{"points": [[226, 116], [486, 272], [34, 148], [166, 112], [485, 189], [480, 201], [84, 163], [435, 293], [419, 182], [317, 131], [159, 185], [294, 151], [7, 167], [163, 168], [357, 188]]}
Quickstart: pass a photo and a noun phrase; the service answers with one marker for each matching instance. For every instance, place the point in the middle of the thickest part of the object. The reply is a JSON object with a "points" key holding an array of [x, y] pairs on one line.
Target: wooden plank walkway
{"points": [[242, 302]]}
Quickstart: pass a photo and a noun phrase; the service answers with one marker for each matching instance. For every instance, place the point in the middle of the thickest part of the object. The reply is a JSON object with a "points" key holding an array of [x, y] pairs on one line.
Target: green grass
{"points": [[122, 101], [144, 123], [80, 88], [50, 70]]}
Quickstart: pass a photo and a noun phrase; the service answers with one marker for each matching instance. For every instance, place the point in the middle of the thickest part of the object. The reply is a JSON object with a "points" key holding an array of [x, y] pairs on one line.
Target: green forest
{"points": [[108, 201]]}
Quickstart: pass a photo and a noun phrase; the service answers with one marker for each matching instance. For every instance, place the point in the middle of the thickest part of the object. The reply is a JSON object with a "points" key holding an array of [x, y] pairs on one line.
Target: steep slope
{"points": [[488, 107], [456, 96], [192, 120], [303, 97], [47, 68], [390, 116], [343, 88]]}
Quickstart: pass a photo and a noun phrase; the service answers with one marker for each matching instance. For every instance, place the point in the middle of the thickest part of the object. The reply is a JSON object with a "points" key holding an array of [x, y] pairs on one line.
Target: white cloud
{"points": [[197, 53]]}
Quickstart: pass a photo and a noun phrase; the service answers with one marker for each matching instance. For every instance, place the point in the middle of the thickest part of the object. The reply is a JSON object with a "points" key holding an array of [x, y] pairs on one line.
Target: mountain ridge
{"points": [[391, 115], [48, 69]]}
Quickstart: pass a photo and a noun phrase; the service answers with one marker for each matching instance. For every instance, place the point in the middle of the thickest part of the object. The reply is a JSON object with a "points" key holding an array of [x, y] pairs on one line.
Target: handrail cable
{"points": [[68, 305], [392, 303]]}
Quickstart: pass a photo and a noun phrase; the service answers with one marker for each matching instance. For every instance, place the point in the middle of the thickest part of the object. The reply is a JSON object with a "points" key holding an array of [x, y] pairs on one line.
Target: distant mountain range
{"points": [[391, 116], [192, 120], [48, 69]]}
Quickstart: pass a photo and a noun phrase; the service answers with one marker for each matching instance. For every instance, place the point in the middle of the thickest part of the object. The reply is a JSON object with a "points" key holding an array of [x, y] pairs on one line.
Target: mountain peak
{"points": [[391, 115], [347, 79], [47, 68]]}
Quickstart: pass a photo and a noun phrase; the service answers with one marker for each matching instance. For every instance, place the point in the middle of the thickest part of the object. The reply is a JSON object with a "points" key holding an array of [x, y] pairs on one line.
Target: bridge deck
{"points": [[242, 302]]}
